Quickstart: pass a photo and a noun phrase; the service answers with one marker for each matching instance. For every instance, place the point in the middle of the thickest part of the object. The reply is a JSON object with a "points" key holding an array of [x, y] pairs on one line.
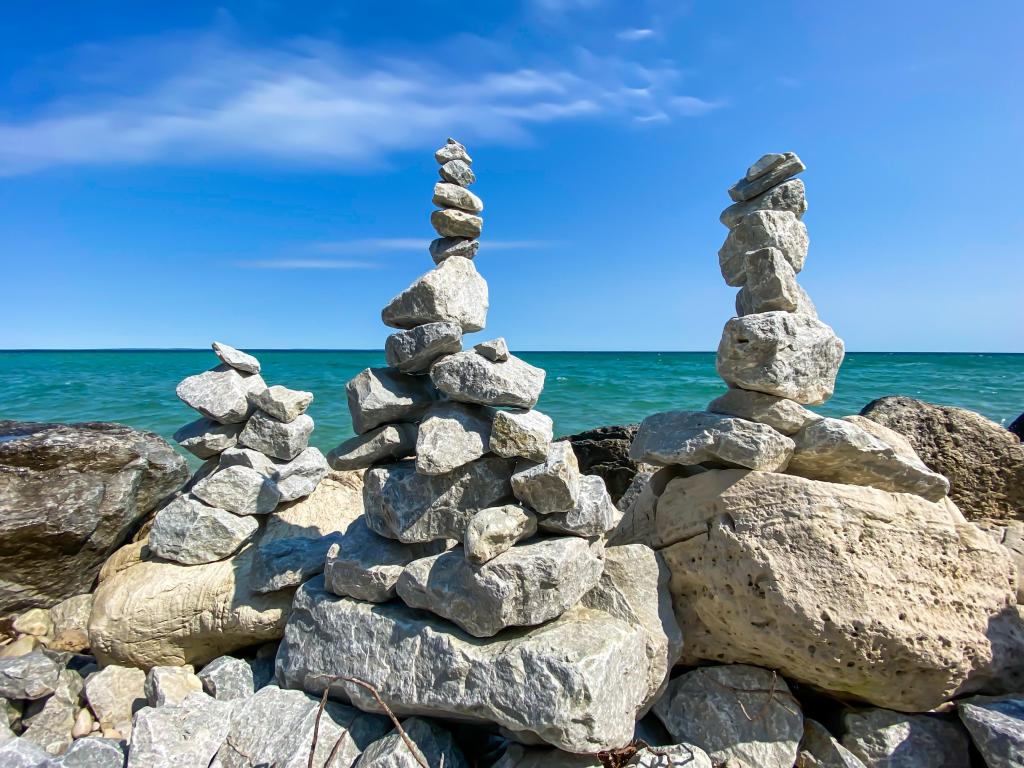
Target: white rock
{"points": [[190, 532], [526, 434], [470, 377], [71, 614], [494, 530], [35, 622], [187, 734], [282, 440], [228, 679], [452, 292], [221, 394], [282, 403], [299, 477], [770, 284], [414, 351], [593, 515], [786, 416], [434, 746], [446, 247], [447, 195], [879, 737], [495, 350], [452, 150], [780, 230], [457, 172], [115, 694], [780, 353], [451, 222], [169, 686], [788, 196], [746, 188], [452, 434], [240, 490], [696, 437], [205, 438], [386, 443], [552, 485], [380, 395], [236, 358]]}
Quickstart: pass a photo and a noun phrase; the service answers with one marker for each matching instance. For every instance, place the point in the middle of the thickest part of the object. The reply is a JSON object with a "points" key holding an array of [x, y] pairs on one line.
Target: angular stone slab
{"points": [[780, 353], [446, 247], [819, 750], [696, 437], [457, 172], [236, 358], [447, 195], [551, 486], [770, 284], [527, 585], [452, 150], [469, 377], [205, 438], [595, 678], [386, 443], [787, 196], [594, 513], [282, 403], [380, 395], [882, 737], [93, 752], [30, 677], [190, 532], [746, 188], [282, 440], [451, 435], [764, 164], [187, 734], [452, 292], [22, 753], [451, 222], [996, 726], [221, 394], [494, 530], [115, 694], [839, 451], [247, 457], [405, 505], [414, 351], [240, 490], [169, 686], [228, 679], [526, 434], [51, 726], [780, 230], [300, 476], [786, 416], [495, 350]]}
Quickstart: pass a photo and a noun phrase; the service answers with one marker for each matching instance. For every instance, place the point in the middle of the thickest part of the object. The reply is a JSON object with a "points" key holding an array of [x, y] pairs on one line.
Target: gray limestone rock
{"points": [[405, 505], [528, 584], [221, 394], [780, 230], [114, 694], [520, 756], [881, 737], [282, 440], [495, 350], [236, 358], [51, 726], [31, 676], [386, 443], [577, 683], [380, 395], [238, 489], [741, 714], [469, 377], [288, 562], [593, 514], [300, 476], [275, 728], [366, 566], [414, 351], [526, 434], [451, 222], [786, 416], [996, 726], [282, 403], [788, 196], [445, 247], [190, 532], [838, 451], [552, 485], [494, 530], [448, 195], [22, 753], [205, 438], [452, 150], [780, 353], [451, 435], [696, 437], [746, 188], [434, 746], [770, 284], [453, 292], [764, 164], [170, 686], [457, 172], [247, 457], [819, 750], [92, 752], [228, 679], [189, 733]]}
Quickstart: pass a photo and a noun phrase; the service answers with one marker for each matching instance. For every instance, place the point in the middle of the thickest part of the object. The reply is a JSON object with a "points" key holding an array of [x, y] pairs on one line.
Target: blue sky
{"points": [[261, 172]]}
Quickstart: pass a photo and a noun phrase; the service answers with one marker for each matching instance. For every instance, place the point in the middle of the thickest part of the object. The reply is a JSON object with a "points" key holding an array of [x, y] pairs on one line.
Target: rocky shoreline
{"points": [[753, 585]]}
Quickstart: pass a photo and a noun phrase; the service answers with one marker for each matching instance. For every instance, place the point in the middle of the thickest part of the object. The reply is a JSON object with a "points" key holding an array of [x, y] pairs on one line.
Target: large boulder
{"points": [[867, 594], [983, 461], [72, 494]]}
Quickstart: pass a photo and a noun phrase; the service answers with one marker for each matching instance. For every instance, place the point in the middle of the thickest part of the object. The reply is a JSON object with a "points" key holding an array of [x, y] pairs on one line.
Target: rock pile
{"points": [[477, 585]]}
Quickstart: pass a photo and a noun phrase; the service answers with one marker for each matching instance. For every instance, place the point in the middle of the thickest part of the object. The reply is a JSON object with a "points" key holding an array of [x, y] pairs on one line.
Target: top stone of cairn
{"points": [[769, 171], [452, 150]]}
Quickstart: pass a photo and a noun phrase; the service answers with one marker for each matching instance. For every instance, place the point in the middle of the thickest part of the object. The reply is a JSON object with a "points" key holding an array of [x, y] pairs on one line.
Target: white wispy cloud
{"points": [[313, 103], [306, 264], [404, 244], [633, 35]]}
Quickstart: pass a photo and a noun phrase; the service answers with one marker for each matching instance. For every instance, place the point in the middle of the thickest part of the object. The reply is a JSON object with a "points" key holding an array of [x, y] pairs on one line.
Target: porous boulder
{"points": [[72, 494], [452, 292]]}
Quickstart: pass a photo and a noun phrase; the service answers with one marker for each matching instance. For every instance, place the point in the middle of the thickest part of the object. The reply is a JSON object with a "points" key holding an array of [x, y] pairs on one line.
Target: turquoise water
{"points": [[583, 389]]}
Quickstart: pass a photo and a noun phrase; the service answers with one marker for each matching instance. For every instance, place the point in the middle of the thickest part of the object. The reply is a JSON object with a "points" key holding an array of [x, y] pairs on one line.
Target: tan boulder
{"points": [[872, 595]]}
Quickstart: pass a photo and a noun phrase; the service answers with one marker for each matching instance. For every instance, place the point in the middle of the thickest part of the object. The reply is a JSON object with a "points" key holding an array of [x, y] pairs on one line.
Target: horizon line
{"points": [[523, 351]]}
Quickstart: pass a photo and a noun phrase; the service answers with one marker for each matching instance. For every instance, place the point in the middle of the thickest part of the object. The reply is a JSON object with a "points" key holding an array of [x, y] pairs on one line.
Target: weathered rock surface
{"points": [[221, 394], [240, 490], [236, 358], [469, 377], [839, 451], [92, 753], [452, 292], [282, 403], [452, 150], [552, 485], [879, 737], [380, 395], [495, 350], [780, 353], [386, 443], [451, 195], [22, 753], [788, 196], [529, 584], [71, 494], [780, 230], [168, 686], [747, 188], [996, 726], [527, 434], [451, 435], [205, 438], [983, 461], [770, 284], [696, 437], [71, 614], [445, 247], [31, 676], [433, 744], [187, 734], [494, 530], [857, 591], [51, 726], [457, 172], [115, 694], [594, 681], [593, 514], [1011, 535], [35, 621], [243, 457], [228, 679], [819, 750], [404, 505], [189, 532], [713, 708], [414, 350], [786, 416], [300, 476], [151, 613], [282, 440]]}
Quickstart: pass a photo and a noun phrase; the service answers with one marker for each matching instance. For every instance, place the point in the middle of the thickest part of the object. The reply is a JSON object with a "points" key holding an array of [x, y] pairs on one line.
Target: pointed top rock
{"points": [[767, 172], [236, 358], [452, 150]]}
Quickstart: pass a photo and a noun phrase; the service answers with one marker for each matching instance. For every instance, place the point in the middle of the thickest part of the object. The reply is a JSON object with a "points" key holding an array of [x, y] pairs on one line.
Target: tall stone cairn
{"points": [[480, 559]]}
